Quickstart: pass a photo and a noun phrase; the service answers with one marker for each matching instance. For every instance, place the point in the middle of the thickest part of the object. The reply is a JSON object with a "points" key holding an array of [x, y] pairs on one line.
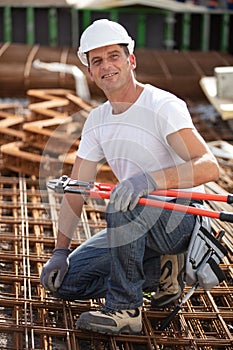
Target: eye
{"points": [[114, 56], [96, 61]]}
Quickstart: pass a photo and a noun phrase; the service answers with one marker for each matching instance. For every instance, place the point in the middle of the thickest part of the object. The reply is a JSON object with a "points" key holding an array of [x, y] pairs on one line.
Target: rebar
{"points": [[30, 318]]}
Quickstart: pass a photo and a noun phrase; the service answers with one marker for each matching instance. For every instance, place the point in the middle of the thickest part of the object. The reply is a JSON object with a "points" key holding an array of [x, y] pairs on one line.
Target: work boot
{"points": [[171, 283], [111, 321]]}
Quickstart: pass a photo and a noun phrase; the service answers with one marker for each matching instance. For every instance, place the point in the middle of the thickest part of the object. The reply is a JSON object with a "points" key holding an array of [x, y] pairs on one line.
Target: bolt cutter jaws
{"points": [[66, 184], [59, 184]]}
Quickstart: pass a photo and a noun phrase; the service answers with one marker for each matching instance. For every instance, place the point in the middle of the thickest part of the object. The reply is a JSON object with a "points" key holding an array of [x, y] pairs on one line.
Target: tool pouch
{"points": [[204, 255]]}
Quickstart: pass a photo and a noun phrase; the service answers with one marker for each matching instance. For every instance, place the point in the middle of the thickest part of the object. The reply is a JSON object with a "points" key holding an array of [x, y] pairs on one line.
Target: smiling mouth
{"points": [[110, 75]]}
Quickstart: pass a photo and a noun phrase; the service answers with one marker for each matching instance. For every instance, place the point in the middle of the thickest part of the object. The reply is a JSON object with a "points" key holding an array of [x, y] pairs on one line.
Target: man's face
{"points": [[110, 67]]}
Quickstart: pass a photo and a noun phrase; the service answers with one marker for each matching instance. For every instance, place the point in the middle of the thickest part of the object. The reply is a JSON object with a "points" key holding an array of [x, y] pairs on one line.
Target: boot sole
{"points": [[103, 330]]}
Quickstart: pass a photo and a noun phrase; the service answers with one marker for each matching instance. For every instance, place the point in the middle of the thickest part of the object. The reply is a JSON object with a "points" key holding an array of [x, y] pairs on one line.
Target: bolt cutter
{"points": [[103, 190]]}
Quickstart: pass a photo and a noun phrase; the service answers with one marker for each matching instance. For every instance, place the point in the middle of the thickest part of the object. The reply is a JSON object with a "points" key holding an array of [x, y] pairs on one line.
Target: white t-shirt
{"points": [[135, 141]]}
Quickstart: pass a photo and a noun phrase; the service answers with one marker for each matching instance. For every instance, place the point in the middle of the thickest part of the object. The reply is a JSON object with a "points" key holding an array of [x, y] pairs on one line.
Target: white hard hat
{"points": [[102, 33]]}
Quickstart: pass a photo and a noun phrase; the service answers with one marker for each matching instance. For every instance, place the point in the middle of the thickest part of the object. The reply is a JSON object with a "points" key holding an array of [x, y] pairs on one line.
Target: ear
{"points": [[90, 74], [132, 60]]}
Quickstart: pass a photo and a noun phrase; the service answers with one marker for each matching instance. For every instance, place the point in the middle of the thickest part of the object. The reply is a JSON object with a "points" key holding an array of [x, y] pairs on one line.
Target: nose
{"points": [[105, 63]]}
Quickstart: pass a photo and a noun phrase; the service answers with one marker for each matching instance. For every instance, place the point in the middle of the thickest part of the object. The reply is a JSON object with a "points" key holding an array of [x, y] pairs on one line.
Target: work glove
{"points": [[55, 269], [126, 195]]}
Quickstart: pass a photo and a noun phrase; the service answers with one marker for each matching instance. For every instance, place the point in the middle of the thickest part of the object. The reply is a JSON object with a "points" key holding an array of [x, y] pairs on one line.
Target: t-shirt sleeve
{"points": [[89, 147], [174, 116]]}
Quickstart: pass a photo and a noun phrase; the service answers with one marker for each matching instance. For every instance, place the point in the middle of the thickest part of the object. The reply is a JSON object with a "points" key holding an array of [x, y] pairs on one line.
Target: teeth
{"points": [[109, 75]]}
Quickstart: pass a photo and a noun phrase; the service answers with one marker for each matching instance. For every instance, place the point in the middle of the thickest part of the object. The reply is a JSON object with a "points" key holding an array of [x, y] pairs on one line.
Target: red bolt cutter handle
{"points": [[178, 194], [223, 216]]}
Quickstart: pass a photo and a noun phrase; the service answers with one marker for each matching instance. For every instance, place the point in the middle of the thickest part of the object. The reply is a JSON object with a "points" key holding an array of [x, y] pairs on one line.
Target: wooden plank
{"points": [[223, 106]]}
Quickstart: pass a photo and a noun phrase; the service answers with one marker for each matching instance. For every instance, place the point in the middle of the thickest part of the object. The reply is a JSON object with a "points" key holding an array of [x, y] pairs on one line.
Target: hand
{"points": [[55, 269], [126, 195]]}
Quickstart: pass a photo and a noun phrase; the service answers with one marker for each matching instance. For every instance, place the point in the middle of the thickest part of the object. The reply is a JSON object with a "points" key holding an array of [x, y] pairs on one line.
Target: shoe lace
{"points": [[107, 311], [165, 280], [111, 312]]}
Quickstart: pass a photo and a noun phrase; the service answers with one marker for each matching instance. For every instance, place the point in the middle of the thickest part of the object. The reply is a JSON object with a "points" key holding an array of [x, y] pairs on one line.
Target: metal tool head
{"points": [[66, 184], [58, 185]]}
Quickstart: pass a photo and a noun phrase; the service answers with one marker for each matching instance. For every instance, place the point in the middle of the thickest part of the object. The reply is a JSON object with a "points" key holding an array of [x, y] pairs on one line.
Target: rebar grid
{"points": [[30, 318]]}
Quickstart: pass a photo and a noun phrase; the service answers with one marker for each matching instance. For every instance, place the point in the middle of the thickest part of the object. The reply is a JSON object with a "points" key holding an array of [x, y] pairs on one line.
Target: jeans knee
{"points": [[113, 216]]}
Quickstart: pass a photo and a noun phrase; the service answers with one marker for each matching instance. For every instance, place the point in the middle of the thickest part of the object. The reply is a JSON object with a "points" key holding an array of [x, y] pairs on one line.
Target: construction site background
{"points": [[41, 117]]}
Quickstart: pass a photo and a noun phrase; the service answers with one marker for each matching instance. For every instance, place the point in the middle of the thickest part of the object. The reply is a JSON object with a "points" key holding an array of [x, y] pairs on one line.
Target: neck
{"points": [[123, 100]]}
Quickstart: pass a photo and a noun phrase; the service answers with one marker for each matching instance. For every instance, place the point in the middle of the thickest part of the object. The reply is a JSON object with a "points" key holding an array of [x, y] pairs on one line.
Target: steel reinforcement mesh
{"points": [[30, 318]]}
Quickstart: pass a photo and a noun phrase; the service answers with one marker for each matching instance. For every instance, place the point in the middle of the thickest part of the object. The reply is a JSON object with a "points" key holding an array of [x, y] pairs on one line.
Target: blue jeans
{"points": [[123, 261]]}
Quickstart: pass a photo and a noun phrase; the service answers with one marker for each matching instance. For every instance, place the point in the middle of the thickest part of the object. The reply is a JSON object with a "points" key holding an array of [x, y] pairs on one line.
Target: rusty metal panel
{"points": [[178, 72]]}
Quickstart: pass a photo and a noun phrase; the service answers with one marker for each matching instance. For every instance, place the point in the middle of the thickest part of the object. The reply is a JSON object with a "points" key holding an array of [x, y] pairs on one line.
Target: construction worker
{"points": [[147, 137]]}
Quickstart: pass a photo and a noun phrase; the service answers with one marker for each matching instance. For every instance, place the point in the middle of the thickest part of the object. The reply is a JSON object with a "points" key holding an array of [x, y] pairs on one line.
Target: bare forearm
{"points": [[190, 174], [70, 213], [62, 241]]}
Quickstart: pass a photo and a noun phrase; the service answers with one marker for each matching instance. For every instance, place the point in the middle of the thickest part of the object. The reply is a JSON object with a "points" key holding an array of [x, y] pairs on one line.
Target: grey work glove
{"points": [[126, 195], [55, 269]]}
